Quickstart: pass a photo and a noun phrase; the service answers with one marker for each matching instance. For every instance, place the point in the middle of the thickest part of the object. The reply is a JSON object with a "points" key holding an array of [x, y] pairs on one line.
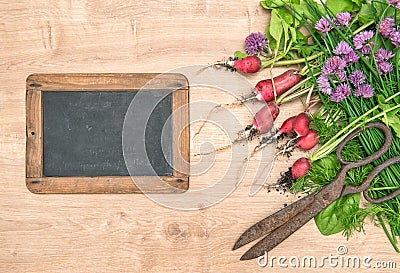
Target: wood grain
{"points": [[104, 81], [107, 184], [181, 132], [34, 134], [131, 233]]}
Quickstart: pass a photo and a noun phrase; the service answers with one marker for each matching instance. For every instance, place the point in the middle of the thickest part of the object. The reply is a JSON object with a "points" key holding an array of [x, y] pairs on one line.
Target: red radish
{"points": [[250, 64], [301, 123], [300, 167], [265, 89], [264, 118], [308, 141], [287, 127], [263, 121]]}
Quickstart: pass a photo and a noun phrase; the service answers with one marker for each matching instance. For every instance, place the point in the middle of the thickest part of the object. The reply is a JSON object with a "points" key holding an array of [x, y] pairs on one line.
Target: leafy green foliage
{"points": [[240, 55], [322, 172], [344, 5], [289, 43], [332, 219], [275, 29], [366, 14]]}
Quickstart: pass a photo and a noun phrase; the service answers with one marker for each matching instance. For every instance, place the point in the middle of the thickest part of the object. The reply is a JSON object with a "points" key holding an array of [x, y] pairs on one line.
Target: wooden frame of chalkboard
{"points": [[36, 84]]}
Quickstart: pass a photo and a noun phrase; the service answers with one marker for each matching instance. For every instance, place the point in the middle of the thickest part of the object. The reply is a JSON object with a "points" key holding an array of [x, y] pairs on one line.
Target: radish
{"points": [[263, 122], [308, 141], [264, 89], [249, 64], [300, 167], [264, 118], [301, 124], [287, 127]]}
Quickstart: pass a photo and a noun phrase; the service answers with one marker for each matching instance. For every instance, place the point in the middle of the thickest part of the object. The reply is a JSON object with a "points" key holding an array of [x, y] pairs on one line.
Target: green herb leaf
{"points": [[393, 121], [268, 4], [358, 2], [343, 5], [276, 27], [308, 12], [366, 14], [271, 40], [333, 219], [272, 4], [240, 55], [285, 15]]}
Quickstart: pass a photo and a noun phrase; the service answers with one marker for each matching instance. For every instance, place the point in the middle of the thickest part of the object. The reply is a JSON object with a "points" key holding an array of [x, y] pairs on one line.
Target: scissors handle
{"points": [[353, 164], [373, 174]]}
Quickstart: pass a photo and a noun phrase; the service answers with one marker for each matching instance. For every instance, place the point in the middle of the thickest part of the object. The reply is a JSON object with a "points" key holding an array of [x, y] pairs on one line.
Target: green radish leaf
{"points": [[381, 99], [285, 15], [380, 8], [332, 219], [358, 3], [309, 12], [343, 5], [272, 4], [393, 121], [276, 27], [240, 55], [271, 41], [293, 34], [366, 14]]}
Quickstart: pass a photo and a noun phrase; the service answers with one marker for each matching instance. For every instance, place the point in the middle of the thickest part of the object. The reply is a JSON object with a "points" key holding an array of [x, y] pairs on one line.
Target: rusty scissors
{"points": [[280, 225]]}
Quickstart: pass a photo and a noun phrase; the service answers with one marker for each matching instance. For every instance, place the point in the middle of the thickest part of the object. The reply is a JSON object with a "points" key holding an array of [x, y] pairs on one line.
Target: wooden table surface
{"points": [[130, 233]]}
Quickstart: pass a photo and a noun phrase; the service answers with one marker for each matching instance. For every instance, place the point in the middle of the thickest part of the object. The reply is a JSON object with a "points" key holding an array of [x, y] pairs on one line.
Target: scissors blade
{"points": [[281, 233], [273, 221]]}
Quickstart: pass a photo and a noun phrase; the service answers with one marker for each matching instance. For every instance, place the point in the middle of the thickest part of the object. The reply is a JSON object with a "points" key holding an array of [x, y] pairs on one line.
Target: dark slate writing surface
{"points": [[82, 133]]}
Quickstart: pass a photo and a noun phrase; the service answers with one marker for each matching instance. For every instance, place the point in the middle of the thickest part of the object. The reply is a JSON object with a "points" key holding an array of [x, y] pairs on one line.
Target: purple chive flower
{"points": [[364, 90], [385, 67], [382, 55], [357, 77], [324, 85], [323, 25], [395, 38], [352, 57], [333, 65], [343, 19], [342, 48], [366, 50], [255, 43], [341, 75], [361, 43], [395, 3], [386, 27], [340, 93], [360, 38]]}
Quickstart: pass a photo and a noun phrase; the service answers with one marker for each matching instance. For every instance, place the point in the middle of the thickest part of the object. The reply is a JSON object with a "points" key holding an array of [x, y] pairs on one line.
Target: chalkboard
{"points": [[75, 125], [82, 133]]}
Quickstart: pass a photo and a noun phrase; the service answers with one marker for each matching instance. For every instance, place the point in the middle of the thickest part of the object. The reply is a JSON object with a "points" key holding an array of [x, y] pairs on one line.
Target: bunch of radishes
{"points": [[296, 127], [305, 138], [268, 90]]}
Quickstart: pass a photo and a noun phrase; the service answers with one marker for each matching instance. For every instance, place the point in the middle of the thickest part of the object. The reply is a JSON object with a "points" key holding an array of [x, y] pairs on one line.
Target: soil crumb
{"points": [[286, 180]]}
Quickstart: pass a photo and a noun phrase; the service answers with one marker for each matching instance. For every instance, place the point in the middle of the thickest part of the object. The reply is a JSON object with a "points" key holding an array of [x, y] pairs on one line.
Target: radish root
{"points": [[232, 104]]}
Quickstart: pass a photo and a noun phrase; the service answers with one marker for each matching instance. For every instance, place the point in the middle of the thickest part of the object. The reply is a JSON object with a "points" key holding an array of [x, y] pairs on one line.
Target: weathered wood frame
{"points": [[37, 83]]}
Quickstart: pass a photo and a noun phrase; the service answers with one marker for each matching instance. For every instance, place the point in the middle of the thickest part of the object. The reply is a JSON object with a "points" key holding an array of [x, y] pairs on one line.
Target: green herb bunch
{"points": [[357, 80], [349, 49]]}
